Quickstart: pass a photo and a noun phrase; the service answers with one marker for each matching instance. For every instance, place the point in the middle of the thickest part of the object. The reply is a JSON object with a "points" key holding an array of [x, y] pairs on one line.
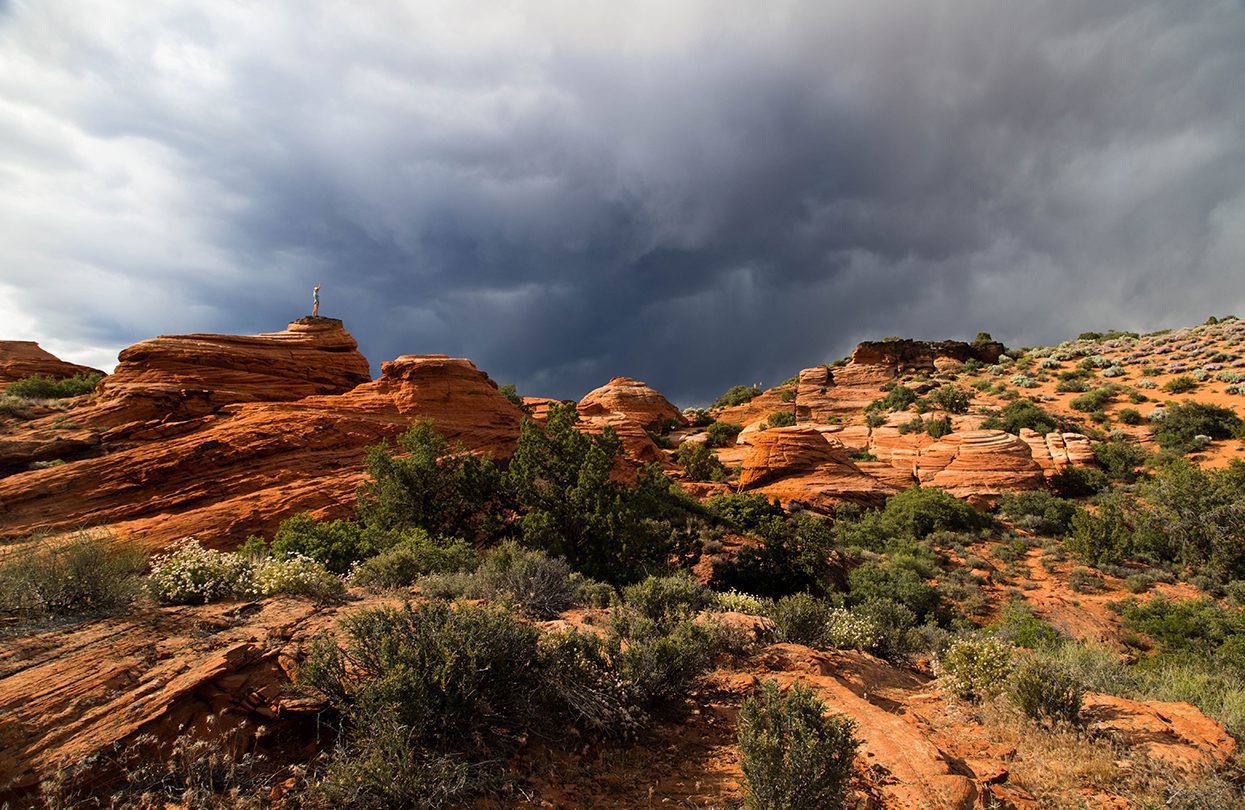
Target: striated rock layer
{"points": [[25, 358], [249, 466], [191, 375], [635, 401]]}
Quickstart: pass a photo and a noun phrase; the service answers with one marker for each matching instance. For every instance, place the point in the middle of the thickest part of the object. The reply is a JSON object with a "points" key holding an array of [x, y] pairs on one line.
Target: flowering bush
{"points": [[296, 575], [1021, 381], [1113, 371], [192, 574], [976, 667], [1049, 362], [846, 630], [1147, 384]]}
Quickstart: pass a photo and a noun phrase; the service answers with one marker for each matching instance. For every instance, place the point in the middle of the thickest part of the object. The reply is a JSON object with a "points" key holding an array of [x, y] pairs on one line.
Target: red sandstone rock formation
{"points": [[801, 464], [24, 358], [191, 375], [979, 464], [634, 400], [247, 467]]}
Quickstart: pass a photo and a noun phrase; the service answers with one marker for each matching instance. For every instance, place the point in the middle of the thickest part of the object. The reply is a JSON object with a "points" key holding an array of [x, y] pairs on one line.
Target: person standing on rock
{"points": [[315, 301]]}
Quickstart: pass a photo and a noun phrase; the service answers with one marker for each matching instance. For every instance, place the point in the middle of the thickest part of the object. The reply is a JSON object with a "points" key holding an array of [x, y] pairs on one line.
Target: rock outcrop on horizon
{"points": [[193, 375], [248, 465], [20, 359]]}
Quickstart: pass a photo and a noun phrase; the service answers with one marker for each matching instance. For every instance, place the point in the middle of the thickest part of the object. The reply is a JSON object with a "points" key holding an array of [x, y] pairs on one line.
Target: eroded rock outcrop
{"points": [[250, 465], [192, 375], [634, 400], [979, 464], [802, 464], [25, 358]]}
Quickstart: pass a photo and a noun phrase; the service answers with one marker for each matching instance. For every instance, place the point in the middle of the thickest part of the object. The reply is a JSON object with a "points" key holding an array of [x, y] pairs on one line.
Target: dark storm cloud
{"points": [[694, 194]]}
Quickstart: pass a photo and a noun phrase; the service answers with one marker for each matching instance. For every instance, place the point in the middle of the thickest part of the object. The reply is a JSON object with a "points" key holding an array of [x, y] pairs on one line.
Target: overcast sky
{"points": [[696, 194]]}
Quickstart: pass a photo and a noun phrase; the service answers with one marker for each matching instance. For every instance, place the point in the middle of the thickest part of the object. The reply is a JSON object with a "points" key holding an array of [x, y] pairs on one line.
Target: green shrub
{"points": [[380, 764], [800, 618], [873, 581], [510, 392], [657, 664], [1129, 416], [560, 480], [1021, 413], [737, 395], [914, 513], [1181, 424], [667, 600], [434, 486], [41, 387], [898, 398], [338, 544], [1018, 625], [938, 428], [453, 676], [722, 434], [780, 419], [1120, 459], [1183, 625], [1094, 400], [411, 557], [949, 398], [1078, 482], [192, 574], [700, 463], [1104, 535], [788, 555], [794, 756], [1180, 385], [745, 512], [87, 575], [1038, 511], [528, 580], [1044, 690], [976, 667]]}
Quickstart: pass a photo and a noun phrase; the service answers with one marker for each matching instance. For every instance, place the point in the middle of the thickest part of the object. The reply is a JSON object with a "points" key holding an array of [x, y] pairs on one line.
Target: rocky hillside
{"points": [[1014, 571]]}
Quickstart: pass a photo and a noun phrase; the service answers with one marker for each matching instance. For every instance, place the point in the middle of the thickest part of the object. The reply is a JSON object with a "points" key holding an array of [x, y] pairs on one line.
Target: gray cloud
{"points": [[697, 194]]}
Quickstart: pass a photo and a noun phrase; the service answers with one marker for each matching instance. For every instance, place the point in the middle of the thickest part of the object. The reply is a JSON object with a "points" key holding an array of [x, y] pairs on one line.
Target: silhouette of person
{"points": [[315, 302]]}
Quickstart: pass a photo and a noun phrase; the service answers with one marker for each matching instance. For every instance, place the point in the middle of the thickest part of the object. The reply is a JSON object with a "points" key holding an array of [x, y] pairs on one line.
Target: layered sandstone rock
{"points": [[163, 386], [634, 400], [25, 358], [192, 375], [249, 466], [979, 463], [802, 464]]}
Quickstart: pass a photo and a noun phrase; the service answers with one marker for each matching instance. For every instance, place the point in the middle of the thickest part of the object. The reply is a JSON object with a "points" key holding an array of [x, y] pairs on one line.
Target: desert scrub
{"points": [[536, 585], [1044, 690], [40, 387], [795, 757], [1180, 385], [737, 395], [667, 600], [88, 575], [722, 434], [415, 555], [192, 574], [974, 667], [780, 419], [295, 576], [699, 462]]}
